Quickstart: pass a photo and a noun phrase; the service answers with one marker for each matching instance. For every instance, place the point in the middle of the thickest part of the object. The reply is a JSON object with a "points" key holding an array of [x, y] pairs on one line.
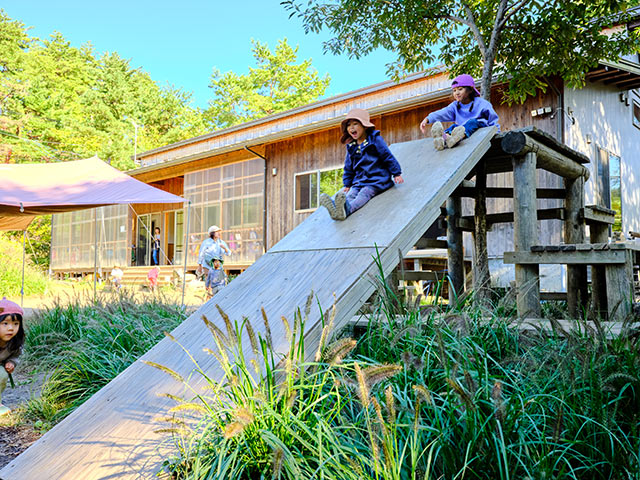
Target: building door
{"points": [[143, 245], [178, 237]]}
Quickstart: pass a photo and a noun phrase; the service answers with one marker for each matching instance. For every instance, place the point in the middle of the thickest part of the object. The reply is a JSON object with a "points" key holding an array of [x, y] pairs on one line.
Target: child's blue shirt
{"points": [[459, 113], [217, 278], [370, 164]]}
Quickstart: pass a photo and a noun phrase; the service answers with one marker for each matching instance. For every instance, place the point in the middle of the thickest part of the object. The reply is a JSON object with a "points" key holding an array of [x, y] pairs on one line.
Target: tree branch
{"points": [[511, 11], [471, 23]]}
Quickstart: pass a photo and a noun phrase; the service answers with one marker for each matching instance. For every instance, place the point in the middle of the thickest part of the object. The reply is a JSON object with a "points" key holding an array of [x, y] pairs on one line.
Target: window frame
{"points": [[317, 172]]}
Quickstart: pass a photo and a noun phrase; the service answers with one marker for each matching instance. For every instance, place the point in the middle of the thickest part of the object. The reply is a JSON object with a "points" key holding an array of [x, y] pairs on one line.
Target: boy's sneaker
{"points": [[437, 131], [326, 202], [341, 209], [457, 134], [4, 410]]}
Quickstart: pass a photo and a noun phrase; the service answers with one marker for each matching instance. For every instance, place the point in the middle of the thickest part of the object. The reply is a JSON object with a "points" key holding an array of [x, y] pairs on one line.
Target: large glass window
{"points": [[232, 197], [310, 185], [73, 238]]}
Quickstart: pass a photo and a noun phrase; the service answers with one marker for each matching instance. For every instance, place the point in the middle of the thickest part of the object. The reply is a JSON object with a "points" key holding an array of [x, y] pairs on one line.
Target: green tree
{"points": [[277, 83], [517, 41], [60, 102]]}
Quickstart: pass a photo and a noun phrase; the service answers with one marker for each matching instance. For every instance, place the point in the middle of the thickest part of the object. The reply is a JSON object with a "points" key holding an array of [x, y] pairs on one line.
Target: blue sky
{"points": [[181, 42]]}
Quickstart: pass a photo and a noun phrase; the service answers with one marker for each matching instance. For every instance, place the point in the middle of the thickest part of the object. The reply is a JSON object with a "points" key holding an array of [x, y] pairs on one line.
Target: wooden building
{"points": [[260, 179]]}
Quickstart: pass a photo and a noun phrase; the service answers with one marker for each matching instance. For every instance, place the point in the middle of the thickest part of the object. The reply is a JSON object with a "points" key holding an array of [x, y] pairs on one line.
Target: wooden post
{"points": [[620, 288], [574, 233], [481, 277], [598, 233], [455, 253], [525, 234]]}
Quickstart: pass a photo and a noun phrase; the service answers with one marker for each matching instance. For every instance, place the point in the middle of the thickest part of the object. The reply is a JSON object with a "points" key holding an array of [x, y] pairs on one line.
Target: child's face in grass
{"points": [[461, 94], [356, 130], [9, 328]]}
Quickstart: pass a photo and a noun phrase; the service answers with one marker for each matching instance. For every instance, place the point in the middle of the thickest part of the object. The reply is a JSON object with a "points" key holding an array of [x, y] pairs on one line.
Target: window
{"points": [[310, 185], [609, 191], [636, 113]]}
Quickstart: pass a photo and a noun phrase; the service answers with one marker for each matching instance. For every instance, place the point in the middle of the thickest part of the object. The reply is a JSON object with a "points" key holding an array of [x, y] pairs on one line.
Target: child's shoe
{"points": [[4, 410], [436, 132], [327, 202], [457, 134], [341, 208]]}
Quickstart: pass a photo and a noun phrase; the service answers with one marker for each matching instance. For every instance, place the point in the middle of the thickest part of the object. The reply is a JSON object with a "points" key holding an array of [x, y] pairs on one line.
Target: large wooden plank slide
{"points": [[112, 434]]}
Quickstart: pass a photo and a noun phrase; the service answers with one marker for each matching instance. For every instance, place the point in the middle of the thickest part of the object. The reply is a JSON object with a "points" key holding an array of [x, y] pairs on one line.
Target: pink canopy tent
{"points": [[40, 189], [27, 190]]}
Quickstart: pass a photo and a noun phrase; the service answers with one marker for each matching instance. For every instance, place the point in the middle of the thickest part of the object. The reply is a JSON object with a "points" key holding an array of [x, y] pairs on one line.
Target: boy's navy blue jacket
{"points": [[370, 164]]}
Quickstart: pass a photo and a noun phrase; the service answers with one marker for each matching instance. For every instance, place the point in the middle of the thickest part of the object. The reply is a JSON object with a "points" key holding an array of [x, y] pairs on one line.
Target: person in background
{"points": [[155, 250], [152, 278], [212, 248], [216, 279], [116, 277], [11, 340]]}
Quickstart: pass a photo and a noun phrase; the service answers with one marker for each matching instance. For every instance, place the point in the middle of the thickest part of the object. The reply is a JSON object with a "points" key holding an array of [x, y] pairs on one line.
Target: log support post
{"points": [[619, 278], [599, 233], [481, 277], [455, 252], [525, 233], [577, 293]]}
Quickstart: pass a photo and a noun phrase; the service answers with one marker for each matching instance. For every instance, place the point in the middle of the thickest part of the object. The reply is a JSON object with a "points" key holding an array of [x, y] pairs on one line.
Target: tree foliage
{"points": [[275, 84], [59, 102], [517, 41]]}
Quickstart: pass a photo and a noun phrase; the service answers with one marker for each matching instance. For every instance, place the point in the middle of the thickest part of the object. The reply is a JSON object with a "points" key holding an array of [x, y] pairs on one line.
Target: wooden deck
{"points": [[111, 435]]}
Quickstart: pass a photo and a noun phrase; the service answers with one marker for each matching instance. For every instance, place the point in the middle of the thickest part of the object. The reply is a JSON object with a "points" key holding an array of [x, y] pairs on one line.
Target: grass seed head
{"points": [[390, 402], [278, 460], [267, 329], [338, 350], [363, 389], [233, 429], [379, 373]]}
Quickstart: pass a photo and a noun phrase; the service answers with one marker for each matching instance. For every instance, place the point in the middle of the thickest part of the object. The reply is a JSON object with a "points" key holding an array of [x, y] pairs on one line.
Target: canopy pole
{"points": [[186, 251], [24, 234], [95, 252]]}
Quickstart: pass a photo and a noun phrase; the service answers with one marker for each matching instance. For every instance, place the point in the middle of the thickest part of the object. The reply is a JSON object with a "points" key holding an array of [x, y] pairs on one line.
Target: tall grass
{"points": [[430, 393], [35, 282], [89, 343]]}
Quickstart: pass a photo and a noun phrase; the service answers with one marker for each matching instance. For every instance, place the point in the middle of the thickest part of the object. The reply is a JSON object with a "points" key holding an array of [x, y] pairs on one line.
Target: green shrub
{"points": [[89, 344], [35, 282], [448, 393]]}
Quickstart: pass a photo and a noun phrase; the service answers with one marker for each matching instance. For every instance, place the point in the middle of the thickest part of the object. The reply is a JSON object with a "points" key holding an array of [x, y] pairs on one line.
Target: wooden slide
{"points": [[111, 436]]}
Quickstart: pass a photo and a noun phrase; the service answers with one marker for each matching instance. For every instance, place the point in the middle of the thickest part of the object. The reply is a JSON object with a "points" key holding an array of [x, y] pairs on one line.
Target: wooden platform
{"points": [[111, 435]]}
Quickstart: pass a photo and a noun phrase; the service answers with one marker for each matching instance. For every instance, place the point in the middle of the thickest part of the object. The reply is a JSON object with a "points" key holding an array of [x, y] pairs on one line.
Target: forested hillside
{"points": [[59, 102]]}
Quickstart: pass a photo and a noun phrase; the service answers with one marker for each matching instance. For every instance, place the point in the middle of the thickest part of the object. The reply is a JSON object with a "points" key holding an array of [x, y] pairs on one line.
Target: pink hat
{"points": [[464, 80], [356, 114], [8, 307]]}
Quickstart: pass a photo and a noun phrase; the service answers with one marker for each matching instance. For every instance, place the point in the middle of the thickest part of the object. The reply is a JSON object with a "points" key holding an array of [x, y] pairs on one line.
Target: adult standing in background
{"points": [[155, 250], [212, 248]]}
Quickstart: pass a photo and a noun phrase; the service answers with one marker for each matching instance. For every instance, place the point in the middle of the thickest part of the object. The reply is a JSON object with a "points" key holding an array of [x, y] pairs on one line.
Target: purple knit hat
{"points": [[8, 307], [464, 80]]}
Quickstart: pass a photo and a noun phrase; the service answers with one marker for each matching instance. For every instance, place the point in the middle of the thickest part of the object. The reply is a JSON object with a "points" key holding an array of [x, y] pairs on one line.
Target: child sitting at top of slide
{"points": [[468, 112], [369, 167]]}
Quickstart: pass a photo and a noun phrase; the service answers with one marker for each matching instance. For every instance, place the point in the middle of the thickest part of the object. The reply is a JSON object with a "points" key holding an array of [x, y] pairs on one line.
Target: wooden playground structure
{"points": [[112, 434]]}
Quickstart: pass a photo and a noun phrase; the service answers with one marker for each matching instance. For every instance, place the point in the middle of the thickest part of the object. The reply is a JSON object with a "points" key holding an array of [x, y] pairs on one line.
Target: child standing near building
{"points": [[369, 168], [216, 279], [152, 278], [468, 112], [11, 340]]}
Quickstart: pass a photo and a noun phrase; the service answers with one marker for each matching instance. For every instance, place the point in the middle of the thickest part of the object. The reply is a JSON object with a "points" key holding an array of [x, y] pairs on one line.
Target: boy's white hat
{"points": [[214, 228]]}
